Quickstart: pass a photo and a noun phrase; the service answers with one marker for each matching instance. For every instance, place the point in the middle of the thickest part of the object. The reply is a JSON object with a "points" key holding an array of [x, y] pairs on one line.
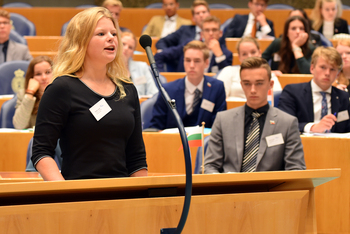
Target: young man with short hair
{"points": [[161, 26], [256, 136], [200, 10], [318, 105], [219, 55], [254, 24], [115, 7], [198, 97]]}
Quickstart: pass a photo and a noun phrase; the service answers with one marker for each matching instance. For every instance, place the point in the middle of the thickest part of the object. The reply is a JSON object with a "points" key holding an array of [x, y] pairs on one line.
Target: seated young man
{"points": [[318, 105], [161, 26], [219, 56], [198, 97], [256, 136], [254, 24]]}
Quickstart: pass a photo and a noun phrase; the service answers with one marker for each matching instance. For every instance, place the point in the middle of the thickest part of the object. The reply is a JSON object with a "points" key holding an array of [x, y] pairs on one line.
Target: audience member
{"points": [[255, 24], [139, 72], [198, 97], [256, 136], [91, 106], [38, 76], [10, 50], [219, 57], [314, 37], [115, 7], [161, 26], [186, 33], [342, 81], [326, 18], [247, 47], [318, 105], [291, 53]]}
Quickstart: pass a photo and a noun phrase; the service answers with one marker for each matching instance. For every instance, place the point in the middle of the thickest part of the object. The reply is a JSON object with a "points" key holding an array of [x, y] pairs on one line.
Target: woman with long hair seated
{"points": [[38, 76], [326, 18], [291, 53], [343, 79]]}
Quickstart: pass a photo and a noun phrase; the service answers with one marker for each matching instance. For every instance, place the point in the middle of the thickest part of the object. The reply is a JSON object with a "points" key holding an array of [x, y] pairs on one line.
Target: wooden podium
{"points": [[261, 202]]}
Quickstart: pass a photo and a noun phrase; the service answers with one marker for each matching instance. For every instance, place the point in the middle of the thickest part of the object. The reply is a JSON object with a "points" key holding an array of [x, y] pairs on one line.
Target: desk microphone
{"points": [[146, 43]]}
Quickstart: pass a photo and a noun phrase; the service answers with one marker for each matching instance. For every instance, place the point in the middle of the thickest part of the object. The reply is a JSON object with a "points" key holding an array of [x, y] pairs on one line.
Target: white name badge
{"points": [[273, 140], [342, 116], [140, 80], [207, 105], [100, 109], [276, 57]]}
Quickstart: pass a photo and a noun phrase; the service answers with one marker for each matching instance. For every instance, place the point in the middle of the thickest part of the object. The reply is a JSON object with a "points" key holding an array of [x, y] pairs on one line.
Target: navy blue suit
{"points": [[181, 36], [238, 24], [296, 99], [175, 56], [213, 90]]}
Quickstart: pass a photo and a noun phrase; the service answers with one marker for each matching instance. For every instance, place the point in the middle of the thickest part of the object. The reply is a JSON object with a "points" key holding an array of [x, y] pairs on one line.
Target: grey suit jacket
{"points": [[17, 51], [226, 143]]}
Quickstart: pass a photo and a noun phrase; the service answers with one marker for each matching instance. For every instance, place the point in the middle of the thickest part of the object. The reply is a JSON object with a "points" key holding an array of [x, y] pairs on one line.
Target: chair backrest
{"points": [[15, 36], [86, 6], [324, 40], [220, 6], [276, 97], [346, 7], [198, 164], [64, 28], [12, 75], [280, 6], [146, 111], [30, 167], [22, 25], [7, 112], [225, 24], [17, 4], [157, 5]]}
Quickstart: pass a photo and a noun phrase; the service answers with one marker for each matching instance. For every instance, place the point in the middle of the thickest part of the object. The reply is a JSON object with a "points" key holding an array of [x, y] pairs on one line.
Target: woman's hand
{"points": [[33, 85], [277, 72], [300, 40]]}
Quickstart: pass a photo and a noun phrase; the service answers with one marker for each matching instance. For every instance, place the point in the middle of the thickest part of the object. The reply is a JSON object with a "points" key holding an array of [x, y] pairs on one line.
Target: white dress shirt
{"points": [[198, 33], [189, 93], [262, 33], [317, 102], [328, 29], [169, 25]]}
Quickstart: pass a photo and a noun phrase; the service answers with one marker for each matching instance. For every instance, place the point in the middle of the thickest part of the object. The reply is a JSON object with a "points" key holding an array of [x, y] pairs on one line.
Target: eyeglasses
{"points": [[4, 22]]}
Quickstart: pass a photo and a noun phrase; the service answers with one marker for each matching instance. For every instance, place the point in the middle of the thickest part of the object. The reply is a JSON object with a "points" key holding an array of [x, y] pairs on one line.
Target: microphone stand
{"points": [[188, 163]]}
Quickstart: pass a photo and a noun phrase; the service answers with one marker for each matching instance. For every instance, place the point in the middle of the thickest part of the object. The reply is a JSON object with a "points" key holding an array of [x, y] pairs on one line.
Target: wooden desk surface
{"points": [[286, 79]]}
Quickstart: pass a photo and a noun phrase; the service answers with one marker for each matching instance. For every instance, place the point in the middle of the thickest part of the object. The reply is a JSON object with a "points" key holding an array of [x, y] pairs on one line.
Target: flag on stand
{"points": [[194, 137]]}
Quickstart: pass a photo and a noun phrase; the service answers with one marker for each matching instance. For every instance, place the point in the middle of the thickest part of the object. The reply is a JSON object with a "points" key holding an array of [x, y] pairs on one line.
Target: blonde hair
{"points": [[247, 39], [107, 3], [72, 50], [341, 78], [5, 14], [197, 45], [316, 15]]}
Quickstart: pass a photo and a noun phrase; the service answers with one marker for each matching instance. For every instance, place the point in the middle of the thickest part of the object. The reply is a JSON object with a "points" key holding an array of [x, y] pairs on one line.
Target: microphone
{"points": [[146, 43]]}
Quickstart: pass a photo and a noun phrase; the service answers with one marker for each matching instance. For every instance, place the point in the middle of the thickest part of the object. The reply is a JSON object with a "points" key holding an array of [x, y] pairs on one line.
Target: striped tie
{"points": [[324, 109], [196, 99], [252, 145]]}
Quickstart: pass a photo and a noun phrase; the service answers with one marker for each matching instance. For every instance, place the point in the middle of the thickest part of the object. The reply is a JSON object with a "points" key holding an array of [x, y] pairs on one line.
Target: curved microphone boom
{"points": [[146, 43]]}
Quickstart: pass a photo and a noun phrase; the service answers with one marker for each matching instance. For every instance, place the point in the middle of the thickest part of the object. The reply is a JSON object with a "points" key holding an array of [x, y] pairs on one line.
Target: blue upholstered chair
{"points": [[7, 112], [220, 6], [86, 6], [225, 24], [15, 36], [157, 5], [30, 167], [325, 42], [276, 97], [280, 6], [22, 25], [17, 4], [146, 111], [198, 163], [12, 75]]}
